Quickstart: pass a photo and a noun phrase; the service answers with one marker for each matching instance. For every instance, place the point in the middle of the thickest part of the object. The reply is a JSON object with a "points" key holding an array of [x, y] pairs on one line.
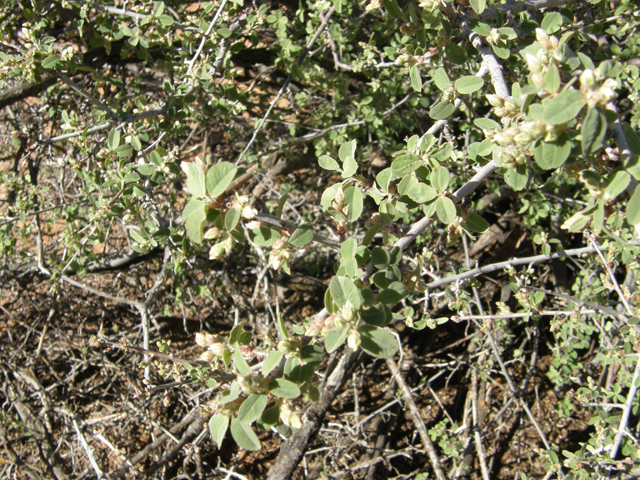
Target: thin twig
{"points": [[626, 412], [417, 419], [286, 83], [612, 277], [509, 263], [204, 37]]}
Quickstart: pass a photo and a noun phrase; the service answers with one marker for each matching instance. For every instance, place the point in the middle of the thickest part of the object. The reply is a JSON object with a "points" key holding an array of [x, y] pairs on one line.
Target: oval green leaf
{"points": [[252, 408], [303, 236], [469, 84], [446, 210], [244, 436], [442, 110], [284, 388], [564, 107], [377, 342], [551, 155], [218, 425]]}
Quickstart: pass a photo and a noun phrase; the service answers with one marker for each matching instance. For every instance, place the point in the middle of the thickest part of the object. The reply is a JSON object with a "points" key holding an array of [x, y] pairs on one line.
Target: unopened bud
{"points": [[587, 79], [212, 233], [217, 251], [495, 100], [542, 37], [533, 63], [353, 340]]}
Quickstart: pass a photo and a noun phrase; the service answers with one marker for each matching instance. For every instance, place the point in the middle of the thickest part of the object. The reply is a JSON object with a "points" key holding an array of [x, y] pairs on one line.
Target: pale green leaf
{"points": [[244, 436]]}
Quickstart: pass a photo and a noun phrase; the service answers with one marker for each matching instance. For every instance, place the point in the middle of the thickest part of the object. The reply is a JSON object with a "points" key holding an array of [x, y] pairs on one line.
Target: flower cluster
{"points": [[347, 317], [280, 253], [548, 55], [215, 345], [598, 90]]}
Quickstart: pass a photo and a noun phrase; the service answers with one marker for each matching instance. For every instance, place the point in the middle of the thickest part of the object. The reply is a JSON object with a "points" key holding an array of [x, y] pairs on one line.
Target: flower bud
{"points": [[353, 340], [494, 36], [587, 79], [217, 251], [212, 233], [533, 63], [542, 37], [495, 100], [249, 212]]}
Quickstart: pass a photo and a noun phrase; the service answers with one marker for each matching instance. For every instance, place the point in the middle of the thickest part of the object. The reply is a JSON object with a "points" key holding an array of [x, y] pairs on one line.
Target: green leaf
{"points": [[196, 179], [478, 5], [576, 223], [517, 178], [384, 178], [135, 143], [328, 163], [241, 364], [552, 79], [312, 354], [281, 205], [500, 51], [551, 155], [284, 388], [564, 107], [347, 150], [303, 236], [421, 193], [393, 294], [632, 138], [264, 236], [440, 178], [349, 167], [405, 164], [292, 369], [224, 32], [51, 62], [469, 84], [594, 128], [371, 233], [343, 290], [442, 110], [335, 338], [353, 197], [486, 124], [475, 223], [282, 328], [380, 258], [166, 20], [552, 22], [114, 139], [446, 210], [231, 219], [219, 177], [617, 182], [416, 80], [633, 208], [377, 342], [272, 360], [234, 335], [244, 436], [455, 53], [270, 416], [230, 395], [441, 79], [479, 27], [377, 315], [218, 425], [252, 408], [194, 216], [348, 249]]}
